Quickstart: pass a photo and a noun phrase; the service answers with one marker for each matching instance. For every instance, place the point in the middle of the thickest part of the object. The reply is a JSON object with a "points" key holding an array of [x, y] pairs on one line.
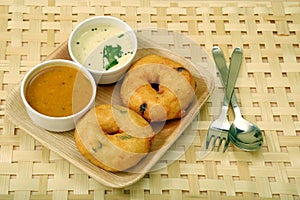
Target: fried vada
{"points": [[158, 88], [113, 137]]}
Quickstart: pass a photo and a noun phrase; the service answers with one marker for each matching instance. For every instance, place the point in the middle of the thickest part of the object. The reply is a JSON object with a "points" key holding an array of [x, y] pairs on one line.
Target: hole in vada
{"points": [[155, 86]]}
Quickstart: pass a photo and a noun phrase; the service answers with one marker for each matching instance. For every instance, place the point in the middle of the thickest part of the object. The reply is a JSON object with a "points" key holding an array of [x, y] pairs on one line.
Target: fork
{"points": [[218, 129]]}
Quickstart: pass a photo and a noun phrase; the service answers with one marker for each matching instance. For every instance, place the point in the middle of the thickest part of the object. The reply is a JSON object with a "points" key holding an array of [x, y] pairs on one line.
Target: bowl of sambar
{"points": [[56, 93]]}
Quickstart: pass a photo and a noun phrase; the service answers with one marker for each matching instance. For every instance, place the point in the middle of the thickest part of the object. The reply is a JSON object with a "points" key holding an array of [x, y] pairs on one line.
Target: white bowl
{"points": [[88, 39], [56, 124]]}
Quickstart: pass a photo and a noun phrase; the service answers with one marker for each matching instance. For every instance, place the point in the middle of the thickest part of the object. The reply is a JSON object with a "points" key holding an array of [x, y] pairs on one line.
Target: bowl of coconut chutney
{"points": [[104, 45]]}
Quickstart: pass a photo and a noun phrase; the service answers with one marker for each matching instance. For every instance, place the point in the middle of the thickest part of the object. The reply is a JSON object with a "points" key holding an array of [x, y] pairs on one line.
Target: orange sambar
{"points": [[59, 91]]}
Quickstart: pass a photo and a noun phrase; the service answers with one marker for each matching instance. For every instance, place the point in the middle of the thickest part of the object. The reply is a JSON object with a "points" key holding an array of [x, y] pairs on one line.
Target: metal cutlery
{"points": [[218, 129]]}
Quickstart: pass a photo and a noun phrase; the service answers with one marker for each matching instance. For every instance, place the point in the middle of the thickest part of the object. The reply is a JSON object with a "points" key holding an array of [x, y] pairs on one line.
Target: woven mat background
{"points": [[268, 89]]}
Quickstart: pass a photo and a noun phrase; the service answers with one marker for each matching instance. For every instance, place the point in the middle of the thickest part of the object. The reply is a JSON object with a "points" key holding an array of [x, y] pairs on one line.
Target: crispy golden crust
{"points": [[158, 88], [155, 59], [113, 137]]}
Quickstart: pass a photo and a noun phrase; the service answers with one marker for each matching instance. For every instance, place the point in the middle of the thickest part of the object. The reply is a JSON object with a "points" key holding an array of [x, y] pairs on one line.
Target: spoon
{"points": [[244, 146], [242, 133]]}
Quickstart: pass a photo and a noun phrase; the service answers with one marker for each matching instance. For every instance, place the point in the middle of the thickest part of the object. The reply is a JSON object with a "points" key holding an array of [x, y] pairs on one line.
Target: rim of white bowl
{"points": [[62, 61], [128, 28]]}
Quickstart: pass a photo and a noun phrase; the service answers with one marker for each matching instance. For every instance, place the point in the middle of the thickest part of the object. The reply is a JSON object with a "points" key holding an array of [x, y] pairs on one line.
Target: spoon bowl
{"points": [[244, 131], [244, 146]]}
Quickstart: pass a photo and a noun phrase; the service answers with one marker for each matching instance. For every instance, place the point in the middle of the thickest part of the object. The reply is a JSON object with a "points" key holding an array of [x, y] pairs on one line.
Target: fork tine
{"points": [[215, 140], [208, 140], [226, 145], [220, 143], [222, 140]]}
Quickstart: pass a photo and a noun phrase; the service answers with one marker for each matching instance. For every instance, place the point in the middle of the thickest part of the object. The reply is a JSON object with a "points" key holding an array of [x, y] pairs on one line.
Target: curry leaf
{"points": [[111, 55]]}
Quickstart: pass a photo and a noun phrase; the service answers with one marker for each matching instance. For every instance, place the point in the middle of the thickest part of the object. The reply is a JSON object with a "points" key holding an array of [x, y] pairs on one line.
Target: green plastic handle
{"points": [[228, 76]]}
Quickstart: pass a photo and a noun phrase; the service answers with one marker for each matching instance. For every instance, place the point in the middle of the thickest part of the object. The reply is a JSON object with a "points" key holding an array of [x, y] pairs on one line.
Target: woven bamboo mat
{"points": [[268, 90]]}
